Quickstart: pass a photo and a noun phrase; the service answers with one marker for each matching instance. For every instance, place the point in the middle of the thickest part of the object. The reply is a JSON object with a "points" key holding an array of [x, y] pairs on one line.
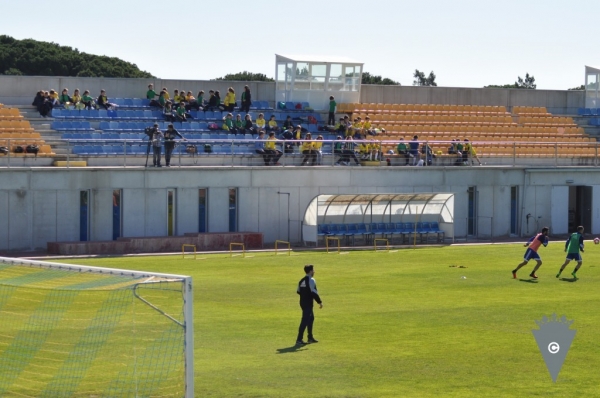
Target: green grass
{"points": [[393, 324]]}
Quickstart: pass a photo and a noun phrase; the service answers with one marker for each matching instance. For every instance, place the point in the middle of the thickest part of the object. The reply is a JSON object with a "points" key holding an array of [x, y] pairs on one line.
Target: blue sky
{"points": [[467, 43]]}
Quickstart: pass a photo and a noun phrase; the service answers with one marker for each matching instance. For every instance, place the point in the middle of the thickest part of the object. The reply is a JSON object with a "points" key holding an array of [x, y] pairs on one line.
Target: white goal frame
{"points": [[188, 306]]}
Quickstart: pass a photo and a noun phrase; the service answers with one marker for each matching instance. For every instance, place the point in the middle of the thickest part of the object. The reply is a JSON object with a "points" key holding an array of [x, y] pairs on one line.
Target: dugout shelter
{"points": [[379, 213]]}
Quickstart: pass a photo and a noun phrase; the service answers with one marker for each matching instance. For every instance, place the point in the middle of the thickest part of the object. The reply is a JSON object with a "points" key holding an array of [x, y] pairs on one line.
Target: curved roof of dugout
{"points": [[375, 208]]}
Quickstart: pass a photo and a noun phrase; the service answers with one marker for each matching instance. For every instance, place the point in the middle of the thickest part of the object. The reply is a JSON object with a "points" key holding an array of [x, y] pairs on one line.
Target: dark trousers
{"points": [[169, 146], [245, 107], [156, 155], [265, 155], [308, 318], [331, 119], [347, 154], [273, 155], [310, 157]]}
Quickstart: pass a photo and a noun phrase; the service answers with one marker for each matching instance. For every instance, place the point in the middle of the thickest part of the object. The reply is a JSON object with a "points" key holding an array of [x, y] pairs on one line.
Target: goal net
{"points": [[78, 331]]}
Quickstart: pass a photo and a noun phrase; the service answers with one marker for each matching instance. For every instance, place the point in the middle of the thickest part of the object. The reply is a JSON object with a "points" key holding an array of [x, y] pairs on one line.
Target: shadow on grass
{"points": [[529, 280], [294, 348], [569, 279]]}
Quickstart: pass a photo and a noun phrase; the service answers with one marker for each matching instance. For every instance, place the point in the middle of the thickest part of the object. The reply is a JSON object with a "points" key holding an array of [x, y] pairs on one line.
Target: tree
{"points": [[37, 58], [527, 83], [582, 87], [246, 77], [368, 78], [421, 80]]}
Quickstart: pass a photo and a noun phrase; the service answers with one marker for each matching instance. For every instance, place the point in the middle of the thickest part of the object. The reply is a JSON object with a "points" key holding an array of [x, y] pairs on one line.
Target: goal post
{"points": [[74, 330], [183, 247], [286, 246], [241, 246]]}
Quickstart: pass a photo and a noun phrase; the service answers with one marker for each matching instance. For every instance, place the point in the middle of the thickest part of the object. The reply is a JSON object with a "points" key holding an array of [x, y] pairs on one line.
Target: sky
{"points": [[466, 43]]}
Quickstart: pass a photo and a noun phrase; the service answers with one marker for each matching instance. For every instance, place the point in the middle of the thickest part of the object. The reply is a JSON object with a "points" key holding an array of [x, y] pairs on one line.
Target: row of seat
{"points": [[143, 102], [142, 136], [10, 114], [421, 108], [547, 120], [140, 126], [20, 134], [530, 110], [404, 129], [15, 125], [588, 111], [405, 230], [437, 119]]}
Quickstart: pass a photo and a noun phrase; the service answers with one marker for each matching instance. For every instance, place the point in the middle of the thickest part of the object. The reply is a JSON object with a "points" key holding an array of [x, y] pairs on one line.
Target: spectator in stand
{"points": [[357, 129], [212, 102], [452, 148], [169, 137], [319, 148], [349, 126], [150, 94], [272, 125], [53, 98], [246, 100], [272, 151], [470, 151], [157, 138], [374, 150], [218, 101], [229, 101], [402, 150], [190, 102], [414, 149], [364, 150], [38, 101], [332, 106], [228, 122], [298, 135], [368, 127], [167, 95], [189, 97], [309, 152], [65, 99], [181, 114], [200, 98], [248, 125], [348, 152], [261, 122], [76, 99], [428, 152], [338, 147], [459, 152], [288, 123], [238, 124], [340, 128], [103, 101], [88, 101], [178, 97], [259, 147], [168, 113]]}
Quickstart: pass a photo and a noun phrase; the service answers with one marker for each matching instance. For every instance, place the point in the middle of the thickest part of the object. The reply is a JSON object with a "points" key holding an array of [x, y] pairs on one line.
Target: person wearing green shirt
{"points": [[238, 124], [150, 94], [331, 117], [228, 122], [181, 115], [573, 246], [88, 100], [403, 150]]}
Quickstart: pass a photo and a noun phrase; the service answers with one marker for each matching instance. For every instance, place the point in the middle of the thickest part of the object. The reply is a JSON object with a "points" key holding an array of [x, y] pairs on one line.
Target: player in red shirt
{"points": [[533, 245]]}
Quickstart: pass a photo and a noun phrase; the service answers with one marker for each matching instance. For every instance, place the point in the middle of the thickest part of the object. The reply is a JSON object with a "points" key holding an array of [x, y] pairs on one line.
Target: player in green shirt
{"points": [[573, 246], [332, 105]]}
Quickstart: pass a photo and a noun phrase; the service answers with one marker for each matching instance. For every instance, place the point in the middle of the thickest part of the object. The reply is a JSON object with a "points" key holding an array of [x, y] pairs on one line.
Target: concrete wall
{"points": [[20, 90], [42, 204]]}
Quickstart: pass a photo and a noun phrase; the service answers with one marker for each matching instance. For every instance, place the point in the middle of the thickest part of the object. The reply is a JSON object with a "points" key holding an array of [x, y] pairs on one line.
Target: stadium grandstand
{"points": [[79, 175]]}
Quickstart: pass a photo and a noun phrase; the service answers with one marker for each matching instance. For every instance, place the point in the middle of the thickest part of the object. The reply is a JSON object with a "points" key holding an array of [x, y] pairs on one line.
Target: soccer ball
{"points": [[596, 240]]}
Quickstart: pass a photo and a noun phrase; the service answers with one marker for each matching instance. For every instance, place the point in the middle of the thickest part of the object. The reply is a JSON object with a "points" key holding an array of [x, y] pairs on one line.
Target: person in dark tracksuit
{"points": [[307, 289], [169, 137]]}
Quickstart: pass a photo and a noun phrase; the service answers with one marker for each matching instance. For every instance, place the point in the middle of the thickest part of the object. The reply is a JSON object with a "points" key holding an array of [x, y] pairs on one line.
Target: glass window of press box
{"points": [[379, 208], [312, 80]]}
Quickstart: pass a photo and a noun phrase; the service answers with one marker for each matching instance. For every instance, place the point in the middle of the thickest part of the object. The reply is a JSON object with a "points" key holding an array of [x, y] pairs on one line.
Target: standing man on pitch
{"points": [[531, 253], [573, 245], [307, 289]]}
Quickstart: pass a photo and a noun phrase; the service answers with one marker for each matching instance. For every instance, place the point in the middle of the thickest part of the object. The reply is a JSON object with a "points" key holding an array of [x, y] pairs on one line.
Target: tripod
{"points": [[148, 150]]}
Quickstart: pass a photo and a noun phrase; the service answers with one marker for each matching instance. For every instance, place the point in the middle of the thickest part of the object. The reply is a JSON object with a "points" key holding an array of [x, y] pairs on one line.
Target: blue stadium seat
{"points": [[57, 113], [148, 114], [128, 102], [139, 102], [78, 149]]}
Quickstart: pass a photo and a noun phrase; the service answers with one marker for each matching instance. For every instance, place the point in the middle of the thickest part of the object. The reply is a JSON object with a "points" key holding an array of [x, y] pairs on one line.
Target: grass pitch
{"points": [[402, 324]]}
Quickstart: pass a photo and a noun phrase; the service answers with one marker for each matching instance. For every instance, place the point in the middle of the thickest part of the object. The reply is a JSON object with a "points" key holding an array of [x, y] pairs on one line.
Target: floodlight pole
{"points": [[288, 212]]}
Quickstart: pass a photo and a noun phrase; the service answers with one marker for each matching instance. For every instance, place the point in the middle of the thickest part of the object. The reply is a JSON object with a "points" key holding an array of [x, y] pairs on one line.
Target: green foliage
{"points": [[368, 78], [246, 77], [422, 80], [399, 324], [527, 83], [582, 87], [36, 58]]}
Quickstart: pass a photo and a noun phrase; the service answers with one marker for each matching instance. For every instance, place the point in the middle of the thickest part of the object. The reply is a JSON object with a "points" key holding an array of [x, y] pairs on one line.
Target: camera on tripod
{"points": [[149, 131]]}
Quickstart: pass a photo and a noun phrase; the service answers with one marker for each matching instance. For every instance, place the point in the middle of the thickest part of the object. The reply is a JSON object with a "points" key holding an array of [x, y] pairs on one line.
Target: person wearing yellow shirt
{"points": [[178, 97], [167, 95], [367, 126], [260, 122], [357, 128], [271, 149], [318, 145], [272, 124], [309, 151], [229, 101], [76, 98], [374, 152]]}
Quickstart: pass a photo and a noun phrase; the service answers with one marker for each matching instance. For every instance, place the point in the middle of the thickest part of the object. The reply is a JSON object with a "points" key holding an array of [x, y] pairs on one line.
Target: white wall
{"points": [[42, 204]]}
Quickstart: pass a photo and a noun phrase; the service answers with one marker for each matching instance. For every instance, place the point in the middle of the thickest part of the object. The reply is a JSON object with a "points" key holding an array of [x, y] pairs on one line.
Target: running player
{"points": [[573, 245], [533, 245]]}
